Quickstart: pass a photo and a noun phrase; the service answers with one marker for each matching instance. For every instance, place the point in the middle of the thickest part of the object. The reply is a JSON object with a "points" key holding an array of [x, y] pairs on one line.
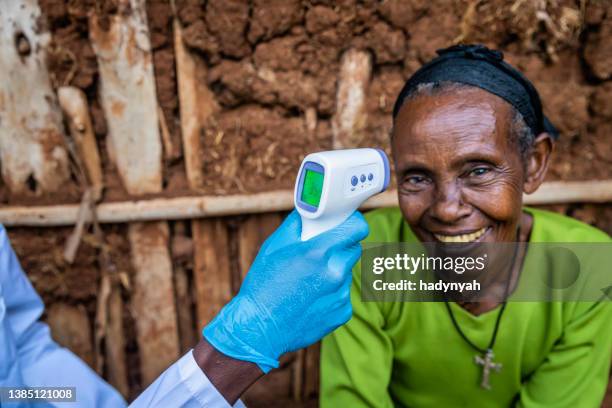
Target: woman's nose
{"points": [[448, 206]]}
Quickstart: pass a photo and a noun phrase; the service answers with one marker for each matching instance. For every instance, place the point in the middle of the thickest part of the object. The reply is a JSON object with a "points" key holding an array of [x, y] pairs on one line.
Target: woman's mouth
{"points": [[469, 237]]}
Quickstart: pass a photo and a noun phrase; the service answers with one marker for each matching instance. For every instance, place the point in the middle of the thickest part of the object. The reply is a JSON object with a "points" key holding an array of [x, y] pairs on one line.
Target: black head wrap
{"points": [[484, 68]]}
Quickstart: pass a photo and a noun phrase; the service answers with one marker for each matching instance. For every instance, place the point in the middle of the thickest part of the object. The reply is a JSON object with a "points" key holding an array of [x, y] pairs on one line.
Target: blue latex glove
{"points": [[294, 294]]}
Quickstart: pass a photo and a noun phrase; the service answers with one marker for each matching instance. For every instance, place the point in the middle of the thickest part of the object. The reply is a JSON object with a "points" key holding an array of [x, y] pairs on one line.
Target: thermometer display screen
{"points": [[313, 187]]}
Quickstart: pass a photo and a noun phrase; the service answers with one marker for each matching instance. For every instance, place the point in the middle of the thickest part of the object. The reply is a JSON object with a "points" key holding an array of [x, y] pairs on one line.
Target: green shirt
{"points": [[554, 354]]}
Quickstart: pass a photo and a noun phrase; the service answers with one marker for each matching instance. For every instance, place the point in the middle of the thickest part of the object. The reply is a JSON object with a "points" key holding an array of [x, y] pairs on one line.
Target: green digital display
{"points": [[312, 188]]}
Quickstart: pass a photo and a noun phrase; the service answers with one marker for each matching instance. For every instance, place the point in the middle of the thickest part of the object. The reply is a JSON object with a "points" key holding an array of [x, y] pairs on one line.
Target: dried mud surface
{"points": [[270, 62], [273, 68]]}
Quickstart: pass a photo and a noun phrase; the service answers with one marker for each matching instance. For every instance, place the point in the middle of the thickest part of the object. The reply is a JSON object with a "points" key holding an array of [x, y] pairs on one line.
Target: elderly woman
{"points": [[469, 138]]}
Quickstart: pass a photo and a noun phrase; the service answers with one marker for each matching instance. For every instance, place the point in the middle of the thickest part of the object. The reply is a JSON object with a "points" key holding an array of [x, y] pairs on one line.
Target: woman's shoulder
{"points": [[549, 226]]}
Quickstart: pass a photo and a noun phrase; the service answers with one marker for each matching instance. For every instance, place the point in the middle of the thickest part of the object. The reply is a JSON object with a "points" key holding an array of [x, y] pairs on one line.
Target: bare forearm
{"points": [[230, 377]]}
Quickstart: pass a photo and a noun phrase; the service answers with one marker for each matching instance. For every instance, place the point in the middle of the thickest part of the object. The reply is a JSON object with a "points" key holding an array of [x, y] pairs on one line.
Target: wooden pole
{"points": [[109, 318], [197, 104], [251, 235], [182, 253], [350, 118], [32, 150], [128, 98], [153, 300], [74, 105], [114, 347], [554, 192], [211, 272], [128, 95]]}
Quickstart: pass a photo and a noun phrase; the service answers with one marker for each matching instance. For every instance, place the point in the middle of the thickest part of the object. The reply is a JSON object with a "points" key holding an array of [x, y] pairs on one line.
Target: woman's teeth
{"points": [[461, 238]]}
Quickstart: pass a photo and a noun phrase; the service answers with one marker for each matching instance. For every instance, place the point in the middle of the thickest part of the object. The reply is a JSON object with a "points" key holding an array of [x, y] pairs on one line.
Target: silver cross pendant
{"points": [[487, 364]]}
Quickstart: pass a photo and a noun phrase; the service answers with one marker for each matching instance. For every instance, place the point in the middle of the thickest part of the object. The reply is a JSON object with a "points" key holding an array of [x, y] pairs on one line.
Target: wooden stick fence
{"points": [[32, 151], [35, 157]]}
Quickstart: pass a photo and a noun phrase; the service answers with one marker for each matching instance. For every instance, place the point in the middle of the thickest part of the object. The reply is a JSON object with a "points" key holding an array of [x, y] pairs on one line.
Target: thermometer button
{"points": [[354, 180], [363, 178], [370, 176]]}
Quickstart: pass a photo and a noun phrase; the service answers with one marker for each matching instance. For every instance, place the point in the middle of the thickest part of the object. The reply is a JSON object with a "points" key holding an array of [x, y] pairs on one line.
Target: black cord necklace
{"points": [[485, 359]]}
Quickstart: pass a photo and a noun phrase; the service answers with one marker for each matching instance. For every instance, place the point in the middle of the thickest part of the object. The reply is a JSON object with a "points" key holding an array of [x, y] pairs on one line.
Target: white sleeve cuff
{"points": [[200, 386]]}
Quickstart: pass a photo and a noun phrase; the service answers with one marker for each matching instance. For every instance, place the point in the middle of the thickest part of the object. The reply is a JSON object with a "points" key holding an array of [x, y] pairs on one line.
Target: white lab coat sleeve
{"points": [[183, 384], [37, 361]]}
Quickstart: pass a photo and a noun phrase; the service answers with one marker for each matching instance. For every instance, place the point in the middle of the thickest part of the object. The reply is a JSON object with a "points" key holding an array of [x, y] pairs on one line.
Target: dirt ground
{"points": [[271, 61]]}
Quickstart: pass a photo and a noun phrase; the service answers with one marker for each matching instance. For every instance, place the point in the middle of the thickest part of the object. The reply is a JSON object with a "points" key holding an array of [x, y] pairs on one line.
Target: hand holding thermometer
{"points": [[331, 185]]}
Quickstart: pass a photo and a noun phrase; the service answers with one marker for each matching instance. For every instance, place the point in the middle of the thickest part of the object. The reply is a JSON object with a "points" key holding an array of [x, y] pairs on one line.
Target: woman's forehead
{"points": [[457, 117]]}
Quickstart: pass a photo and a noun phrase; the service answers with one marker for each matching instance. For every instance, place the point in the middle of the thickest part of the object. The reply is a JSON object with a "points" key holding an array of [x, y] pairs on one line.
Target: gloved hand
{"points": [[294, 294]]}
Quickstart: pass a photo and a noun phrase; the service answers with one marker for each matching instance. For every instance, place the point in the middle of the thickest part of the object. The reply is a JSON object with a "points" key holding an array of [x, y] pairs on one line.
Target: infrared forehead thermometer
{"points": [[331, 185]]}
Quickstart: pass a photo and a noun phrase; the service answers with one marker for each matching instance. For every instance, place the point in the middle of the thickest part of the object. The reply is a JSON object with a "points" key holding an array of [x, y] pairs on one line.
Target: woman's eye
{"points": [[479, 171], [415, 182], [415, 179]]}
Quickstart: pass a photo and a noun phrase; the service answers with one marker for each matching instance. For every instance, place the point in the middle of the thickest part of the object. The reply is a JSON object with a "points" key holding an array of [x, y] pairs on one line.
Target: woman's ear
{"points": [[537, 162]]}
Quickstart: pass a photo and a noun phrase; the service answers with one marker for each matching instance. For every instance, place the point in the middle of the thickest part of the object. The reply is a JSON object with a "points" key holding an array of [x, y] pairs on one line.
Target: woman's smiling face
{"points": [[460, 172]]}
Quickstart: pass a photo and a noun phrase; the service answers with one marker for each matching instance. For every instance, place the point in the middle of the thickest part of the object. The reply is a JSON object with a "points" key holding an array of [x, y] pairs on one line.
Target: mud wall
{"points": [[268, 63], [273, 68]]}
